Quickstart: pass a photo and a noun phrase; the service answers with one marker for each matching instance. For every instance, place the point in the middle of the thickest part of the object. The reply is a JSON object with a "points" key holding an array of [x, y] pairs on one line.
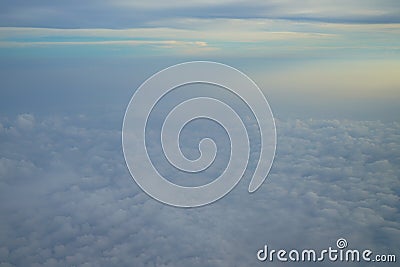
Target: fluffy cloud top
{"points": [[67, 198]]}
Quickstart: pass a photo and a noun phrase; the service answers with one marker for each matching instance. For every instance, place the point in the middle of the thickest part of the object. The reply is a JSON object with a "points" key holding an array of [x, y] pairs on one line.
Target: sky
{"points": [[338, 57], [329, 70]]}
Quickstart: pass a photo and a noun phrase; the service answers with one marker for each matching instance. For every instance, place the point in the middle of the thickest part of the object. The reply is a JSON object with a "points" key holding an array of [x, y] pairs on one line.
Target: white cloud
{"points": [[26, 121]]}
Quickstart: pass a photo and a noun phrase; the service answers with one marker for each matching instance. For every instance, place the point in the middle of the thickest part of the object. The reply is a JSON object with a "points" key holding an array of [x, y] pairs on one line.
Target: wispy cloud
{"points": [[168, 43], [128, 14], [227, 36], [209, 29]]}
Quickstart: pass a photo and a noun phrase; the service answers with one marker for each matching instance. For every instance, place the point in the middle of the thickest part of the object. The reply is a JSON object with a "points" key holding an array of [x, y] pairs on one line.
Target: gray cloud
{"points": [[67, 198], [125, 14]]}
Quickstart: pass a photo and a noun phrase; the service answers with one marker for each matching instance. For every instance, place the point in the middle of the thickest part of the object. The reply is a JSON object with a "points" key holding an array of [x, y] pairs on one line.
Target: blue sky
{"points": [[330, 72]]}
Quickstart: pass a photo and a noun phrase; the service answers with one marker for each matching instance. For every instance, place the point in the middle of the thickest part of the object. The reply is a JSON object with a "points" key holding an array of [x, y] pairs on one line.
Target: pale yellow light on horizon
{"points": [[349, 79]]}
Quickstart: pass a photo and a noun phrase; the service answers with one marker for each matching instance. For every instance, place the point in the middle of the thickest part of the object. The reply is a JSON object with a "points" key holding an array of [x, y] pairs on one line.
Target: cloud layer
{"points": [[126, 14], [67, 198]]}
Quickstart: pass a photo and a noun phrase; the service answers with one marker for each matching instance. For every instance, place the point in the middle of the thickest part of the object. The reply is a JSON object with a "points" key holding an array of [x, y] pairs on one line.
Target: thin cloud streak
{"points": [[125, 42], [242, 32]]}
